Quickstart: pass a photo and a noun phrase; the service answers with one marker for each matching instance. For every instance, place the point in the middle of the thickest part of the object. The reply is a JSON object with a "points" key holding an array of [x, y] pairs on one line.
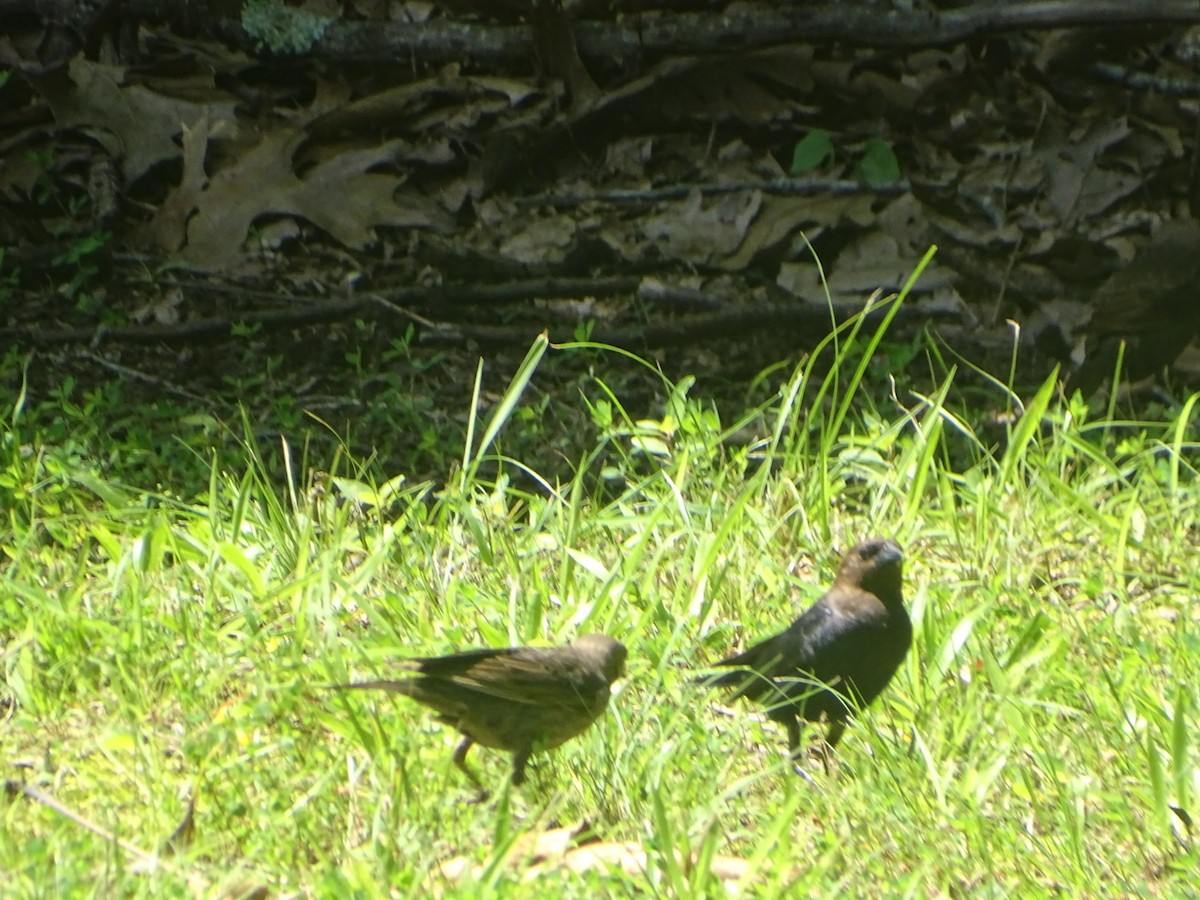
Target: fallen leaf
{"points": [[133, 123], [339, 195]]}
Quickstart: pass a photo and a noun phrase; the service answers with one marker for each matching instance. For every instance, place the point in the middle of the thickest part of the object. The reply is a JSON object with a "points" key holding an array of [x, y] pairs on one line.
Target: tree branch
{"points": [[639, 35]]}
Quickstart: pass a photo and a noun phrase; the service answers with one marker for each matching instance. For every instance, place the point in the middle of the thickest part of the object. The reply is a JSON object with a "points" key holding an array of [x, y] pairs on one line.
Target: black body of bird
{"points": [[518, 699], [1152, 304], [838, 655]]}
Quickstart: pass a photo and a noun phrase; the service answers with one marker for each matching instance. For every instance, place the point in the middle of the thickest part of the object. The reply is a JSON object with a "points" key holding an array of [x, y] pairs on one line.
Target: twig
{"points": [[13, 788], [806, 323], [137, 375], [787, 187]]}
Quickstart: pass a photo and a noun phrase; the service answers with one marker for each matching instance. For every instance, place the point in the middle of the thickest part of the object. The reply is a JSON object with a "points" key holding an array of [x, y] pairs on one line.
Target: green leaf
{"points": [[811, 151], [879, 164]]}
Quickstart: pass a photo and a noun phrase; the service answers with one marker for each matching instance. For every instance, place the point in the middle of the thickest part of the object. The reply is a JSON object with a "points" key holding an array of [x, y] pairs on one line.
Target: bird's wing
{"points": [[811, 643], [457, 663], [789, 649], [540, 677], [446, 667], [850, 606], [782, 654], [856, 618], [763, 657]]}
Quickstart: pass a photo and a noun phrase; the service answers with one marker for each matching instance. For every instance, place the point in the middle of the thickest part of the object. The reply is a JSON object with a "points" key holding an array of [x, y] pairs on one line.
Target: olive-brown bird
{"points": [[1152, 304], [519, 699], [838, 655]]}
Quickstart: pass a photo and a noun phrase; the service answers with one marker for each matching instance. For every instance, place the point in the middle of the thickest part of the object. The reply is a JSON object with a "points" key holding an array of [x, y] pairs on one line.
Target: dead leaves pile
{"points": [[1023, 156]]}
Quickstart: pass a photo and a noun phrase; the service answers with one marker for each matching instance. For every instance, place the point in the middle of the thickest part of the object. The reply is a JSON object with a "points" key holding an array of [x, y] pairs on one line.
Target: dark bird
{"points": [[519, 699], [1152, 304], [838, 655]]}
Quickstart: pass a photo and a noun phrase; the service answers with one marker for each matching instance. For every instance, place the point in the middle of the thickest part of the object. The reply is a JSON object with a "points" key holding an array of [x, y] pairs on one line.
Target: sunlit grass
{"points": [[1039, 738]]}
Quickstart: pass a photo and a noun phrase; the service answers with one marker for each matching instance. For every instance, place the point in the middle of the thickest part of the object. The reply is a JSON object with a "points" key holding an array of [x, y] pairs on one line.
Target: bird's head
{"points": [[606, 653], [875, 565]]}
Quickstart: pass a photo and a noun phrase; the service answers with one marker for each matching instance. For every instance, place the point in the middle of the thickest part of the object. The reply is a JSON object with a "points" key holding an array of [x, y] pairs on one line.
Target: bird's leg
{"points": [[794, 728], [460, 760], [518, 773], [836, 729]]}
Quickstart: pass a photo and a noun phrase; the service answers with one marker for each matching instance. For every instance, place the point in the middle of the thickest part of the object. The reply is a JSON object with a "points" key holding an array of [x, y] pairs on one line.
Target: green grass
{"points": [[1039, 739]]}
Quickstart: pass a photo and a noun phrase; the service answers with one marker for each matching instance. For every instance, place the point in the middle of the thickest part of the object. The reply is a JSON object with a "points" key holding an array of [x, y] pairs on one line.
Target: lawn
{"points": [[166, 652]]}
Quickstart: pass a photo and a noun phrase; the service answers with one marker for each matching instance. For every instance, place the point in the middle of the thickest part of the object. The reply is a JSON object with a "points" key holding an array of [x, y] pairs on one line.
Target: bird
{"points": [[1151, 304], [837, 656], [518, 699]]}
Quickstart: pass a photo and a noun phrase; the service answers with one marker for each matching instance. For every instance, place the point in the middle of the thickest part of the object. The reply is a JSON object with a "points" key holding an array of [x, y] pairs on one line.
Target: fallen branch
{"points": [[782, 187], [637, 36], [811, 321], [808, 323]]}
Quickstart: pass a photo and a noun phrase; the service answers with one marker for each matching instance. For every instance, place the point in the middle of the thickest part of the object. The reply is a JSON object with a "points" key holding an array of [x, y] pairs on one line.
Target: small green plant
{"points": [[811, 152], [878, 165], [82, 259]]}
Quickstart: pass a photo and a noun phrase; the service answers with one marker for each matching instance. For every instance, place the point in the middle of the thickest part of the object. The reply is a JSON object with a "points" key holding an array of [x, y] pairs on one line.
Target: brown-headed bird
{"points": [[519, 699], [838, 655]]}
